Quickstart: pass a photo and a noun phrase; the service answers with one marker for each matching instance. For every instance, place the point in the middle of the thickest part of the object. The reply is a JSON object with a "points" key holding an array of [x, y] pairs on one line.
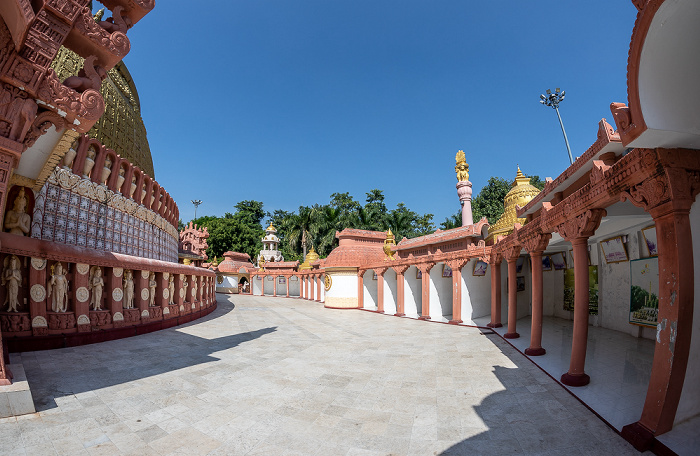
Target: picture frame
{"points": [[419, 274], [519, 263], [649, 234], [546, 263], [480, 268], [558, 261], [282, 280], [614, 250], [644, 293], [520, 283], [446, 271], [374, 275], [294, 279]]}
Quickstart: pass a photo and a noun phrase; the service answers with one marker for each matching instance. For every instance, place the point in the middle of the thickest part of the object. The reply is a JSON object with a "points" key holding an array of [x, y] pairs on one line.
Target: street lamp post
{"points": [[553, 100], [196, 205]]}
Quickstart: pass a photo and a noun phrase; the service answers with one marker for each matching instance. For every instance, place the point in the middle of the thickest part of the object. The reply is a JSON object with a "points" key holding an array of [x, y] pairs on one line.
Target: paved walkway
{"points": [[269, 376]]}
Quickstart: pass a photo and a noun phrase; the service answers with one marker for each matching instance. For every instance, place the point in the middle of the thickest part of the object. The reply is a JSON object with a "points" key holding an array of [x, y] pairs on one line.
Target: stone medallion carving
{"points": [[166, 311], [37, 292], [82, 268], [145, 274], [144, 314], [166, 293], [117, 294], [182, 292], [182, 308], [118, 316], [117, 272], [38, 263], [82, 294], [83, 320], [144, 294], [39, 322]]}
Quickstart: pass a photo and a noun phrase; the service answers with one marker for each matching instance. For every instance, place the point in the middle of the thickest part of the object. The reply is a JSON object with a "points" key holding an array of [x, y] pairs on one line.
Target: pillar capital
{"points": [[581, 226], [401, 269], [511, 253], [535, 241]]}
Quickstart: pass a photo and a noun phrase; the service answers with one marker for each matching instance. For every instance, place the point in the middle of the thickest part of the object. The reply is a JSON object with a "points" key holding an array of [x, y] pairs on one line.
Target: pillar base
{"points": [[424, 317], [641, 438], [494, 325], [455, 322], [511, 335], [399, 314], [575, 380], [535, 351]]}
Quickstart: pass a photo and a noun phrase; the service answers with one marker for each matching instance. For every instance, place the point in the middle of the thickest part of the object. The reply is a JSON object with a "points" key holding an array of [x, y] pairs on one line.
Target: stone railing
{"points": [[60, 295]]}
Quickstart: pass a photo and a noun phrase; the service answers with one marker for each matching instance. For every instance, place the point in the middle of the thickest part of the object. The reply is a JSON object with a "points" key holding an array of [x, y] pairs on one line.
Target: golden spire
{"points": [[519, 195], [461, 168]]}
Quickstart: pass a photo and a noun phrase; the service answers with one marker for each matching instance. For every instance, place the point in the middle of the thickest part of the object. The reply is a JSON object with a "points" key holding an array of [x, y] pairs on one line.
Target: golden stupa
{"points": [[311, 256], [519, 195], [121, 127]]}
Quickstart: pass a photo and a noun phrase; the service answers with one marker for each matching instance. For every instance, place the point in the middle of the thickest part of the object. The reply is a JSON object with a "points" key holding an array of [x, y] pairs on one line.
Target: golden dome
{"points": [[519, 195], [121, 127], [311, 256]]}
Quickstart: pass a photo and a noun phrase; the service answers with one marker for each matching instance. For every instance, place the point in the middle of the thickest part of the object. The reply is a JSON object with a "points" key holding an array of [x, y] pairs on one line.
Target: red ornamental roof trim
{"points": [[606, 135], [364, 234], [440, 236]]}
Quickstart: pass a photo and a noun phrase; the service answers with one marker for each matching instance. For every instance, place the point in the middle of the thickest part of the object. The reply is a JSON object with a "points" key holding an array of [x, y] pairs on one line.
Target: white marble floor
{"points": [[619, 366], [269, 376]]}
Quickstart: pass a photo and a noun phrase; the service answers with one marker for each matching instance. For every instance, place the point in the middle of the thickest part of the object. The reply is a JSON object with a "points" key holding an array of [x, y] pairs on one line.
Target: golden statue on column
{"points": [[464, 188]]}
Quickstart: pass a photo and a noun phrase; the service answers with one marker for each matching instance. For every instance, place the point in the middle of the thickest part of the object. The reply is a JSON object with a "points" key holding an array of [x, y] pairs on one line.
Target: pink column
{"points": [[425, 291], [318, 288], [535, 348], [456, 292], [400, 292], [576, 375], [360, 289], [310, 284], [286, 281], [114, 299], [274, 286], [380, 290], [495, 294], [512, 300]]}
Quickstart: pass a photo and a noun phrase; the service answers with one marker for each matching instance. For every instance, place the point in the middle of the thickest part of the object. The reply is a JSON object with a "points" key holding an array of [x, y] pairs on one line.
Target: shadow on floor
{"points": [[120, 361]]}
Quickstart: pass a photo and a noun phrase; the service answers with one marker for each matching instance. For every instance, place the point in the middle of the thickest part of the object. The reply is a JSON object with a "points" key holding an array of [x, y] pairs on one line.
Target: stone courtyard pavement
{"points": [[269, 376]]}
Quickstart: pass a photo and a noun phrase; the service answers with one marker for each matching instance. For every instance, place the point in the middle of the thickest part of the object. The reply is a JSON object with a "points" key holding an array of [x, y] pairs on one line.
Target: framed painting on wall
{"points": [[558, 261], [614, 250], [592, 290], [649, 234], [480, 268], [446, 271], [419, 274], [520, 283], [374, 275], [546, 263], [294, 279], [519, 263], [282, 280], [644, 296]]}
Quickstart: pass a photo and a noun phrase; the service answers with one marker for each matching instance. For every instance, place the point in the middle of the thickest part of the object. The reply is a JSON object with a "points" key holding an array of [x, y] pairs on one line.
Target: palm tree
{"points": [[298, 227], [327, 223]]}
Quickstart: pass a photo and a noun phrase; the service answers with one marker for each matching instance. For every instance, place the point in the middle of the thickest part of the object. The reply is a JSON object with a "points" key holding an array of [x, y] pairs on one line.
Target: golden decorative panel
{"points": [[121, 127]]}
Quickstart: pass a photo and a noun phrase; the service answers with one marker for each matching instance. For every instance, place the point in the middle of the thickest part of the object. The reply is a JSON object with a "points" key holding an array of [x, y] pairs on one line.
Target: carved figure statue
{"points": [[106, 171], [128, 289], [152, 288], [89, 77], [132, 189], [185, 284], [97, 284], [171, 290], [461, 168], [58, 286], [17, 221], [12, 279], [194, 290], [89, 162], [120, 179], [388, 243], [116, 23]]}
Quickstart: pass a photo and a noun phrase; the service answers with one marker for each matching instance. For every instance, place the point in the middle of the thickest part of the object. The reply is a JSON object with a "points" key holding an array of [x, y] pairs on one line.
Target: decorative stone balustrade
{"points": [[66, 295]]}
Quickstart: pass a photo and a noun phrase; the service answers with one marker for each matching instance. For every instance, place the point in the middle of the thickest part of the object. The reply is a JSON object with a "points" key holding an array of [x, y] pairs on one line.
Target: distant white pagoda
{"points": [[270, 252]]}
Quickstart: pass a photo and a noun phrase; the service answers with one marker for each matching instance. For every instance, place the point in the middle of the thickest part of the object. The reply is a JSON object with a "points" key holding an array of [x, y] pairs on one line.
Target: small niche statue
{"points": [[128, 289], [195, 285], [17, 221], [152, 288], [461, 168], [58, 286], [185, 284], [11, 280], [171, 290], [97, 284]]}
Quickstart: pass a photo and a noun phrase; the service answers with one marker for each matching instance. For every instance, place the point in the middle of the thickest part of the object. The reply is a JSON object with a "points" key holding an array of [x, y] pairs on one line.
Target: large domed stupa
{"points": [[121, 127], [519, 195]]}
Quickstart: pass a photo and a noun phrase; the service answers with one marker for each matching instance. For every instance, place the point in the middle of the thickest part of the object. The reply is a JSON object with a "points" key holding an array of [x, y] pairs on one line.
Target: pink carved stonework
{"points": [[464, 191]]}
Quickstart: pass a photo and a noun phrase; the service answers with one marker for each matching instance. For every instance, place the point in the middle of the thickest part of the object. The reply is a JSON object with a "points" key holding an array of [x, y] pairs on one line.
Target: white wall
{"points": [[343, 292], [294, 286], [370, 290], [256, 286], [412, 293], [440, 293], [323, 289], [476, 293], [689, 405], [269, 285], [390, 292], [282, 287]]}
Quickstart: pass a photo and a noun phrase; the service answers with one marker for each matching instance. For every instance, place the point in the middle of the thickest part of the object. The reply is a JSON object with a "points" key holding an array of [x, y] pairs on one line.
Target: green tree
{"points": [[298, 229], [238, 232], [489, 202], [453, 221]]}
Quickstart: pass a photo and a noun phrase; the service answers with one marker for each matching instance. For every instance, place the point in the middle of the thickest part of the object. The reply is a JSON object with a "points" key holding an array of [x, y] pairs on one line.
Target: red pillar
{"points": [[535, 348], [456, 292], [380, 291], [576, 375], [512, 300], [425, 292], [286, 281], [274, 286], [495, 294], [400, 271], [360, 289]]}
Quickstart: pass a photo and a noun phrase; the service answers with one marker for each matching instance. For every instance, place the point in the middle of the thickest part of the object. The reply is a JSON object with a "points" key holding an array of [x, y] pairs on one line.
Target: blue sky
{"points": [[286, 102]]}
